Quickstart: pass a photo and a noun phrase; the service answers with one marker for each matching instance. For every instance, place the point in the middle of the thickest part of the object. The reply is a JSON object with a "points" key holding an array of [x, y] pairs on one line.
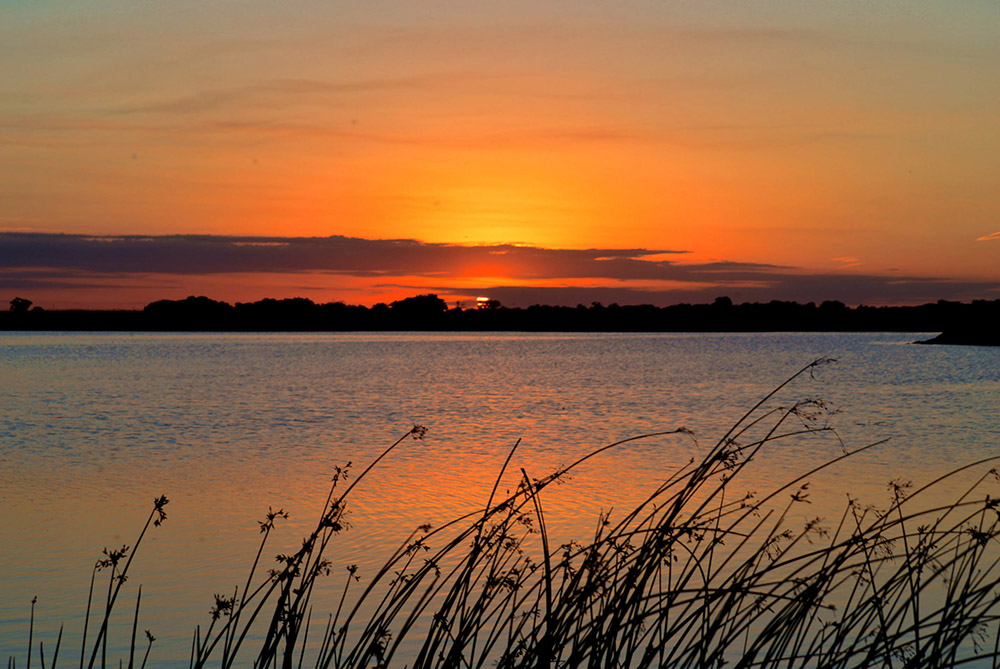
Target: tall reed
{"points": [[692, 576]]}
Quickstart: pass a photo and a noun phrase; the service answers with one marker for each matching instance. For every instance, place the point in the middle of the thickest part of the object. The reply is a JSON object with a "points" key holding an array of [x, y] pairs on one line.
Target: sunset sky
{"points": [[536, 152]]}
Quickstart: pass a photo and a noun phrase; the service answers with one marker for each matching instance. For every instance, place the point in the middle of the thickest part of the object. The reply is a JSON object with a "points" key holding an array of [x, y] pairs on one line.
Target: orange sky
{"points": [[831, 139]]}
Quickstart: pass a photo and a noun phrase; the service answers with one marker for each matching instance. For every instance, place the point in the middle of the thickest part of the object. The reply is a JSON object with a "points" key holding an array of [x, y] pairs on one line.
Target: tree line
{"points": [[430, 312]]}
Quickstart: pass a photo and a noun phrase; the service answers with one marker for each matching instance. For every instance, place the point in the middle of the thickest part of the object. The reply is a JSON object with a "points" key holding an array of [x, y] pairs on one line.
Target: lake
{"points": [[95, 425]]}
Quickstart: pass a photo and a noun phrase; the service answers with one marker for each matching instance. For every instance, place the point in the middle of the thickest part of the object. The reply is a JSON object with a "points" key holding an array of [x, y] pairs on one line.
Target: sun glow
{"points": [[508, 197]]}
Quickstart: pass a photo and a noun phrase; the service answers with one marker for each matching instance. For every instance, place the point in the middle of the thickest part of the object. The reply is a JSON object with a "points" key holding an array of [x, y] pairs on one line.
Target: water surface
{"points": [[95, 425]]}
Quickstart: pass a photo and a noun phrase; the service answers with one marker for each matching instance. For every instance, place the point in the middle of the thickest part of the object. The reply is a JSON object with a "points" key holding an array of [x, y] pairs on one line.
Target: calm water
{"points": [[94, 426]]}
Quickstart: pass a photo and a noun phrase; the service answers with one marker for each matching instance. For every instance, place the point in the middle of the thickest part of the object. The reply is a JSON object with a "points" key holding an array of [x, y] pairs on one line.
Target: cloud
{"points": [[277, 93], [210, 254], [50, 279], [521, 275], [995, 235], [803, 288]]}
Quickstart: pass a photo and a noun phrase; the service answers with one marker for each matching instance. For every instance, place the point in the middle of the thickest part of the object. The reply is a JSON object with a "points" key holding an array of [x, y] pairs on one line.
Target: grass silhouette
{"points": [[692, 576]]}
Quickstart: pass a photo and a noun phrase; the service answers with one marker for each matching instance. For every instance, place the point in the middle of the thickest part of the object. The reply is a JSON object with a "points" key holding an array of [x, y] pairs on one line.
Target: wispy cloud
{"points": [[276, 94], [994, 235]]}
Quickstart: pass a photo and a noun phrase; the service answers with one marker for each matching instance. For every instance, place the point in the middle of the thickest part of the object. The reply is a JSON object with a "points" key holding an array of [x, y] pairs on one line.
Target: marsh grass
{"points": [[694, 575]]}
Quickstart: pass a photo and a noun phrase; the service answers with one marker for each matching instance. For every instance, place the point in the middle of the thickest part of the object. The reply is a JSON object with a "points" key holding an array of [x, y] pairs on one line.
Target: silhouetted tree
{"points": [[20, 305], [192, 313], [420, 312], [722, 302], [424, 304]]}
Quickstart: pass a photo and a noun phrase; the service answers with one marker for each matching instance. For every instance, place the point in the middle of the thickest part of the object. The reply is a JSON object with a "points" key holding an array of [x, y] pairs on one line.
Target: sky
{"points": [[534, 152]]}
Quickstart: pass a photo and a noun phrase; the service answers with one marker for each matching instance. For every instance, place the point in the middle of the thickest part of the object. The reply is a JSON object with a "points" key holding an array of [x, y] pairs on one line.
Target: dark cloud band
{"points": [[626, 276], [210, 254]]}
